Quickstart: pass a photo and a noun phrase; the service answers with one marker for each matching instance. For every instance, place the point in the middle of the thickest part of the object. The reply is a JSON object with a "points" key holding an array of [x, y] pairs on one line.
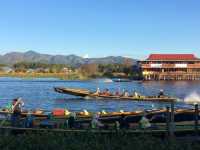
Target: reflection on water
{"points": [[39, 93]]}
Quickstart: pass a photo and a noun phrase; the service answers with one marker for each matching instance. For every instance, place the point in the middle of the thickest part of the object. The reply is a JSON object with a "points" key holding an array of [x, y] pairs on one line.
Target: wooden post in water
{"points": [[196, 122], [168, 121], [171, 131]]}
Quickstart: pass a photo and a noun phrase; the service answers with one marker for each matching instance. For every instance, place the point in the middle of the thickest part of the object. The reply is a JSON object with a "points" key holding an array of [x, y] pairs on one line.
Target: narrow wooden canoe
{"points": [[155, 116], [71, 91], [88, 93]]}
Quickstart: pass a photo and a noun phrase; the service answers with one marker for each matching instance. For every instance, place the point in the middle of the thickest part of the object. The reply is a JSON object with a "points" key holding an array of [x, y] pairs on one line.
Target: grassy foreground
{"points": [[91, 141]]}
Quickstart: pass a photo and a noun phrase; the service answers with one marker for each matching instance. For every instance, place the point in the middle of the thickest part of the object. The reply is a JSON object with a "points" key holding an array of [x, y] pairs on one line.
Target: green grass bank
{"points": [[91, 141]]}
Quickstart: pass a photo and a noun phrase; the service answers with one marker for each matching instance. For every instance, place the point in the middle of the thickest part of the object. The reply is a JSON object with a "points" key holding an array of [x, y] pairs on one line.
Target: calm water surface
{"points": [[39, 93]]}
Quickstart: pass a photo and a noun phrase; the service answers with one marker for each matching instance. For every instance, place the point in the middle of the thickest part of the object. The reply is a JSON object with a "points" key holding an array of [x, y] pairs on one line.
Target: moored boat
{"points": [[154, 116]]}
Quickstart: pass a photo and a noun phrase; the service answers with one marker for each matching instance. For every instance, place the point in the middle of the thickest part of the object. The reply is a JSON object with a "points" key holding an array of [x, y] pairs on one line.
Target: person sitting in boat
{"points": [[123, 92], [136, 94], [107, 92], [144, 122], [126, 94], [71, 120], [95, 123], [85, 112], [117, 93], [98, 92], [161, 93], [67, 112], [103, 112]]}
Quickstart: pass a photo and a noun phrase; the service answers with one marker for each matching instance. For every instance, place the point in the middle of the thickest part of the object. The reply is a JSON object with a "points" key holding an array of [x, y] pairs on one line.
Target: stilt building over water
{"points": [[171, 67]]}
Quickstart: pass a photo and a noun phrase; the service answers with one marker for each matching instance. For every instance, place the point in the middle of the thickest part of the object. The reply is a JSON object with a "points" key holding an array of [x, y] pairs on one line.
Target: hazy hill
{"points": [[31, 56]]}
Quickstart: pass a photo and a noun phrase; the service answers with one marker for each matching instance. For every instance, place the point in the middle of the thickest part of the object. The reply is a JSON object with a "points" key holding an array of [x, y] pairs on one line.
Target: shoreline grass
{"points": [[62, 76], [92, 141]]}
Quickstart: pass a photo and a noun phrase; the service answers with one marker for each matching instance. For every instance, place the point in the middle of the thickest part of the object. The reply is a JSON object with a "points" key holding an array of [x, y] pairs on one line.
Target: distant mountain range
{"points": [[73, 60]]}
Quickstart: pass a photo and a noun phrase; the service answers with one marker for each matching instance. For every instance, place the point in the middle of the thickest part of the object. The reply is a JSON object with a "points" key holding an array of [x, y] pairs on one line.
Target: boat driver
{"points": [[17, 105], [161, 93]]}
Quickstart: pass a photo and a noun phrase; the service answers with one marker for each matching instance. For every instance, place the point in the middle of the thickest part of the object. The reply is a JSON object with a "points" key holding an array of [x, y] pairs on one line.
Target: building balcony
{"points": [[163, 66], [174, 73]]}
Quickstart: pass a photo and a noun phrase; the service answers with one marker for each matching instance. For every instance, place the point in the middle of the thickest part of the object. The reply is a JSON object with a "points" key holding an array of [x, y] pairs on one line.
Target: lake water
{"points": [[39, 93]]}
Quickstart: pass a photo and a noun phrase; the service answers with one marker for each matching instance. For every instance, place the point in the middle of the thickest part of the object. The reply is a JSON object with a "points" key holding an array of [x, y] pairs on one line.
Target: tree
{"points": [[89, 69]]}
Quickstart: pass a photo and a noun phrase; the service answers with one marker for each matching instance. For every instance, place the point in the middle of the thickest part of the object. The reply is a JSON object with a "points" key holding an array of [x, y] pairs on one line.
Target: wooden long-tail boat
{"points": [[88, 93], [183, 119], [157, 115]]}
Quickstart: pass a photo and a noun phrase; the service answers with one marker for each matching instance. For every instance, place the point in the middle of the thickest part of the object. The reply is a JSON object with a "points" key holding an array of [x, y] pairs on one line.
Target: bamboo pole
{"points": [[172, 126], [168, 121], [196, 115]]}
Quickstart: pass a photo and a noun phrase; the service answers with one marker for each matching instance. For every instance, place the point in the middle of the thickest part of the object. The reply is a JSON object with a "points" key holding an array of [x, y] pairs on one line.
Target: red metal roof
{"points": [[172, 57]]}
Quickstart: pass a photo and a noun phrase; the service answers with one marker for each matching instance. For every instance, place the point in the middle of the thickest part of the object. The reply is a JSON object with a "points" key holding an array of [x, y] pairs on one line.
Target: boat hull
{"points": [[87, 93], [155, 116]]}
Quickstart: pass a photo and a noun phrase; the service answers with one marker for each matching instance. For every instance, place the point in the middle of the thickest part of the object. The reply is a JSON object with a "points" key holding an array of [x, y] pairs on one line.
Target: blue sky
{"points": [[99, 28]]}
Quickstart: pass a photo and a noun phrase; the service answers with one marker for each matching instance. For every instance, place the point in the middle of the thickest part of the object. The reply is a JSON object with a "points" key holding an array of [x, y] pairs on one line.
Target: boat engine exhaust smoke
{"points": [[192, 98]]}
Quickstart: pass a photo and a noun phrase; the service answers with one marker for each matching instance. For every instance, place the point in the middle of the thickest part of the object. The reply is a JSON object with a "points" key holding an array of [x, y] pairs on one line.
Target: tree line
{"points": [[24, 66], [111, 70], [91, 70]]}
